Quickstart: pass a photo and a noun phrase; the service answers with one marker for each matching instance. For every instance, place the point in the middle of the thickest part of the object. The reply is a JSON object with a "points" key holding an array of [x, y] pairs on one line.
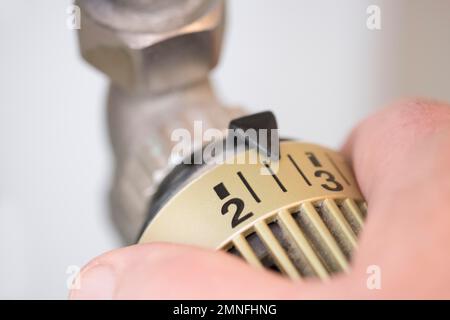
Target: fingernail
{"points": [[96, 283]]}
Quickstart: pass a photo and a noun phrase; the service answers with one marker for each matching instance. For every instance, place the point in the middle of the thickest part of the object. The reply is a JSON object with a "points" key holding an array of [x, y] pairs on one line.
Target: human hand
{"points": [[401, 159]]}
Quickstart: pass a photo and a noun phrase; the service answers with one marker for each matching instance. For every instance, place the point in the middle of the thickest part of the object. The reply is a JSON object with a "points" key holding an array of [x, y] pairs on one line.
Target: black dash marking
{"points": [[313, 159], [299, 170], [275, 177], [221, 191], [249, 188], [337, 168]]}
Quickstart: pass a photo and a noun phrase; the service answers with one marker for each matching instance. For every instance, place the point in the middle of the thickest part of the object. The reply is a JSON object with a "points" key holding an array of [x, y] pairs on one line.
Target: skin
{"points": [[401, 159]]}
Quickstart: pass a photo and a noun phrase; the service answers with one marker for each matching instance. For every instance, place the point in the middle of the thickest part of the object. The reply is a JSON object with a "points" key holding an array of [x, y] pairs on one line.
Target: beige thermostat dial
{"points": [[299, 215]]}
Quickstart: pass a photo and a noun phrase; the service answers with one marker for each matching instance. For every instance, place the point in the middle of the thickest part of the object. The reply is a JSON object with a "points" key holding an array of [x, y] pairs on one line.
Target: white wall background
{"points": [[313, 61]]}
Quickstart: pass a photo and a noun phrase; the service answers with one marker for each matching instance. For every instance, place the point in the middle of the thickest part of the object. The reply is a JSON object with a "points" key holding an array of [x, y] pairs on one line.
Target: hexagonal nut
{"points": [[158, 57]]}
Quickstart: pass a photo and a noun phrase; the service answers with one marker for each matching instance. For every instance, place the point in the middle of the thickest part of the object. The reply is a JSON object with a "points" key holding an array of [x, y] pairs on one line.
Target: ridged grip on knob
{"points": [[300, 216]]}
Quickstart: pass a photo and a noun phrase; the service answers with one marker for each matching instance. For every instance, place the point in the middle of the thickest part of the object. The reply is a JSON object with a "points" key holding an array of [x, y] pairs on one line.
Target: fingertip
{"points": [[381, 143]]}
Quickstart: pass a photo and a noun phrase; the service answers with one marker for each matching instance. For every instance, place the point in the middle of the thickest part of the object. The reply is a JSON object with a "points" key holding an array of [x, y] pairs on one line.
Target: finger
{"points": [[387, 141], [166, 271], [401, 158], [169, 271]]}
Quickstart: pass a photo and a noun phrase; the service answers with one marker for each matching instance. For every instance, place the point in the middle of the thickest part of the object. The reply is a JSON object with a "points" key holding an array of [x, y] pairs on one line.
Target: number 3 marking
{"points": [[336, 186]]}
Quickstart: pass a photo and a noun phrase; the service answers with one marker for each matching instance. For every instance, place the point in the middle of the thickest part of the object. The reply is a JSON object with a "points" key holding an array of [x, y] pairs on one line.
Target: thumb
{"points": [[167, 271]]}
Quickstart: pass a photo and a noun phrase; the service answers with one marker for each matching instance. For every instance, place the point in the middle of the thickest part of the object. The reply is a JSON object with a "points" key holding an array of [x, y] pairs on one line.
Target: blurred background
{"points": [[314, 62]]}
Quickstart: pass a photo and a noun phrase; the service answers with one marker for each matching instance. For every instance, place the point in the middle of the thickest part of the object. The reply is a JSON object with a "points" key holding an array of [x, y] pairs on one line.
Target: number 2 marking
{"points": [[238, 203]]}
